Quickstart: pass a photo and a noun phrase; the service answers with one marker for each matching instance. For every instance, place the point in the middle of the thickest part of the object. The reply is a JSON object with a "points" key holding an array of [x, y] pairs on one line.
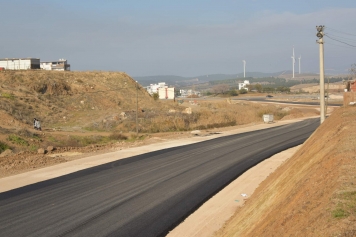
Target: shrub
{"points": [[3, 147], [17, 140], [155, 96], [117, 136], [243, 91]]}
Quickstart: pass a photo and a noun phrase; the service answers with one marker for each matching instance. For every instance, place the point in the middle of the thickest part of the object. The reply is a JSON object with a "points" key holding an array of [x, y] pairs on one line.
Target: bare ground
{"points": [[313, 193]]}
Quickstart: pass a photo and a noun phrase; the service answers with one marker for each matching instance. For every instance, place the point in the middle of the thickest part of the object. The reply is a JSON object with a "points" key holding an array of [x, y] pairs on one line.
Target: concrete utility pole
{"points": [[320, 35], [136, 108], [244, 62], [293, 61]]}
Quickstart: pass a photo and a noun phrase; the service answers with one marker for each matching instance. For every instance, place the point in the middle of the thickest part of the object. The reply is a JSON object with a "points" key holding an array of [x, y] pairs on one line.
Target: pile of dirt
{"points": [[313, 193]]}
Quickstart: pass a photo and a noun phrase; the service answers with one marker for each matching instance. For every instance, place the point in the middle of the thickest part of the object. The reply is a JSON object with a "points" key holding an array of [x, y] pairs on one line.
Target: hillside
{"points": [[91, 111], [313, 193]]}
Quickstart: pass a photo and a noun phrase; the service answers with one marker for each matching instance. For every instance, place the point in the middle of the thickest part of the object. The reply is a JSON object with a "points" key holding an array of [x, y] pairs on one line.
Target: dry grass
{"points": [[313, 193]]}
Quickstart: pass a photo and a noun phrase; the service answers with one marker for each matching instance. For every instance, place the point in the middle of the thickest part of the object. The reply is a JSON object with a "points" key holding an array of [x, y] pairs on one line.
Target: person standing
{"points": [[38, 125], [35, 123]]}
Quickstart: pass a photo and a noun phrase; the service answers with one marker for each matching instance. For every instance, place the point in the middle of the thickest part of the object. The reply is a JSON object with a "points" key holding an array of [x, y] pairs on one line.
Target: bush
{"points": [[117, 136], [18, 140], [232, 93], [243, 91], [3, 147], [155, 96]]}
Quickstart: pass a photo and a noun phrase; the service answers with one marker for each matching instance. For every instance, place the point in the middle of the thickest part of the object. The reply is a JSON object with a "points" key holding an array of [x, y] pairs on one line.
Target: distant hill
{"points": [[186, 81]]}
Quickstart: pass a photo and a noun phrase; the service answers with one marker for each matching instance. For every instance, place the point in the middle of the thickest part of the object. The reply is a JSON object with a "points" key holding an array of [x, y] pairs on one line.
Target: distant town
{"points": [[33, 63]]}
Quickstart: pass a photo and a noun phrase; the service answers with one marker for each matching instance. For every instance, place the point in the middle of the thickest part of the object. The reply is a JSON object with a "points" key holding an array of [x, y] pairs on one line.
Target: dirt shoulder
{"points": [[213, 214]]}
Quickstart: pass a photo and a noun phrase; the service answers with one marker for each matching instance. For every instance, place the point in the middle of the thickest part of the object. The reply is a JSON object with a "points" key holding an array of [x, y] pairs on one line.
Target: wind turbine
{"points": [[300, 57], [244, 67], [293, 61]]}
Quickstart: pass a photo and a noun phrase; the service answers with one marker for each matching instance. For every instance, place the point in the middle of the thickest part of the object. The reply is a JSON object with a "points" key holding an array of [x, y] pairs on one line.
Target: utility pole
{"points": [[320, 35], [136, 108], [244, 62], [293, 61]]}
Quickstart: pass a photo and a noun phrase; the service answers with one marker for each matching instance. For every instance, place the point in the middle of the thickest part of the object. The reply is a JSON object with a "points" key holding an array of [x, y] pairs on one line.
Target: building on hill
{"points": [[20, 63], [163, 91], [60, 65], [166, 93], [189, 93], [153, 88], [243, 85]]}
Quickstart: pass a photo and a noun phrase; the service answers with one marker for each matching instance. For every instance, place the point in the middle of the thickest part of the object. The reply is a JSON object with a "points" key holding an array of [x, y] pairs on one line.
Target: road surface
{"points": [[273, 100], [145, 195]]}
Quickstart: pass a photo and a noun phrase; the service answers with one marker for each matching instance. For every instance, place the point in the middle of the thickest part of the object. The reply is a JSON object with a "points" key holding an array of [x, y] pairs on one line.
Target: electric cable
{"points": [[344, 38], [340, 31], [340, 41]]}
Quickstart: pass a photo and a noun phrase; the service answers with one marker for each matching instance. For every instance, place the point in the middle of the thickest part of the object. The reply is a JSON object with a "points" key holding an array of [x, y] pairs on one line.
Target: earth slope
{"points": [[313, 193]]}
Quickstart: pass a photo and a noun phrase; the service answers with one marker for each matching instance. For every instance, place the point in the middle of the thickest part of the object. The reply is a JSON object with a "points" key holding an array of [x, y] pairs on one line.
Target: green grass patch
{"points": [[339, 213], [346, 205], [8, 95], [18, 140], [33, 148]]}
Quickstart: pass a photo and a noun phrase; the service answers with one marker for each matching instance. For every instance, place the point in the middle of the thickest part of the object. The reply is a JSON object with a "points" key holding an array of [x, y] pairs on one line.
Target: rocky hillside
{"points": [[313, 193], [67, 99]]}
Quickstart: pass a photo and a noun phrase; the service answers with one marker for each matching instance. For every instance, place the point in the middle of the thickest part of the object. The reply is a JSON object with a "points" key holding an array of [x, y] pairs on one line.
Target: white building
{"points": [[153, 88], [189, 93], [20, 63], [60, 65], [243, 85], [166, 93]]}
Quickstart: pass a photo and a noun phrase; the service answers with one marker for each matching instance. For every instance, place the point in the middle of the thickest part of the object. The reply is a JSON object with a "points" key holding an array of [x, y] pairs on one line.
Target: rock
{"points": [[195, 132], [50, 148], [41, 151], [172, 111], [7, 152], [188, 110], [123, 115]]}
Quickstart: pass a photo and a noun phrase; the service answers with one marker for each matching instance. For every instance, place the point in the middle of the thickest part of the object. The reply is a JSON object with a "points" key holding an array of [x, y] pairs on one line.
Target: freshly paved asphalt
{"points": [[145, 195], [263, 99]]}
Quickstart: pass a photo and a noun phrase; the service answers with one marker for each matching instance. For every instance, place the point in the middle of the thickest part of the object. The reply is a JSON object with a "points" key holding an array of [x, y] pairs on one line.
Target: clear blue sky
{"points": [[184, 38]]}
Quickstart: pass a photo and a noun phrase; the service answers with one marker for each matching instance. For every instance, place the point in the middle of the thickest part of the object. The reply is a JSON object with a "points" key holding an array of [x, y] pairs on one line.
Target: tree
{"points": [[220, 88], [258, 87]]}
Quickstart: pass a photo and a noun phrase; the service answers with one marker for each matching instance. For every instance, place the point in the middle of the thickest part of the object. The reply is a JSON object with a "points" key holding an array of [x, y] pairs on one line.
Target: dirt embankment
{"points": [[313, 193]]}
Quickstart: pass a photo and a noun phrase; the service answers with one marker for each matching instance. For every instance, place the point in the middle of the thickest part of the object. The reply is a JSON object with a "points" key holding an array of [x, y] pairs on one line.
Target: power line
{"points": [[343, 46], [340, 31], [341, 41], [336, 36]]}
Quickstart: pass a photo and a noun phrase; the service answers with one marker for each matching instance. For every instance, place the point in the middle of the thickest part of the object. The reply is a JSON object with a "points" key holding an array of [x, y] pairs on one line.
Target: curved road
{"points": [[145, 195], [263, 99]]}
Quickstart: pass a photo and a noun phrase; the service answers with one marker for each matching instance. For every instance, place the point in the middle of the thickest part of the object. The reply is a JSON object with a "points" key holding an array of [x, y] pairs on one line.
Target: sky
{"points": [[184, 38]]}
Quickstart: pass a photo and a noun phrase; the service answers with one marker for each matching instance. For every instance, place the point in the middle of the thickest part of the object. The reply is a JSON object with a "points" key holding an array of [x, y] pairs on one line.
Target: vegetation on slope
{"points": [[103, 104]]}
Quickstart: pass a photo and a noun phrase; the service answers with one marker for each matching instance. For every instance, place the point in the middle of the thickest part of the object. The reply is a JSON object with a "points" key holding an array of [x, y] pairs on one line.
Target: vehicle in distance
{"points": [[269, 96]]}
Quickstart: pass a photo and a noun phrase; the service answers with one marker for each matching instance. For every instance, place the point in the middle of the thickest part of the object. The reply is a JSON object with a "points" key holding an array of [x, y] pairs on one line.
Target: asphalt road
{"points": [[264, 99], [145, 195]]}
